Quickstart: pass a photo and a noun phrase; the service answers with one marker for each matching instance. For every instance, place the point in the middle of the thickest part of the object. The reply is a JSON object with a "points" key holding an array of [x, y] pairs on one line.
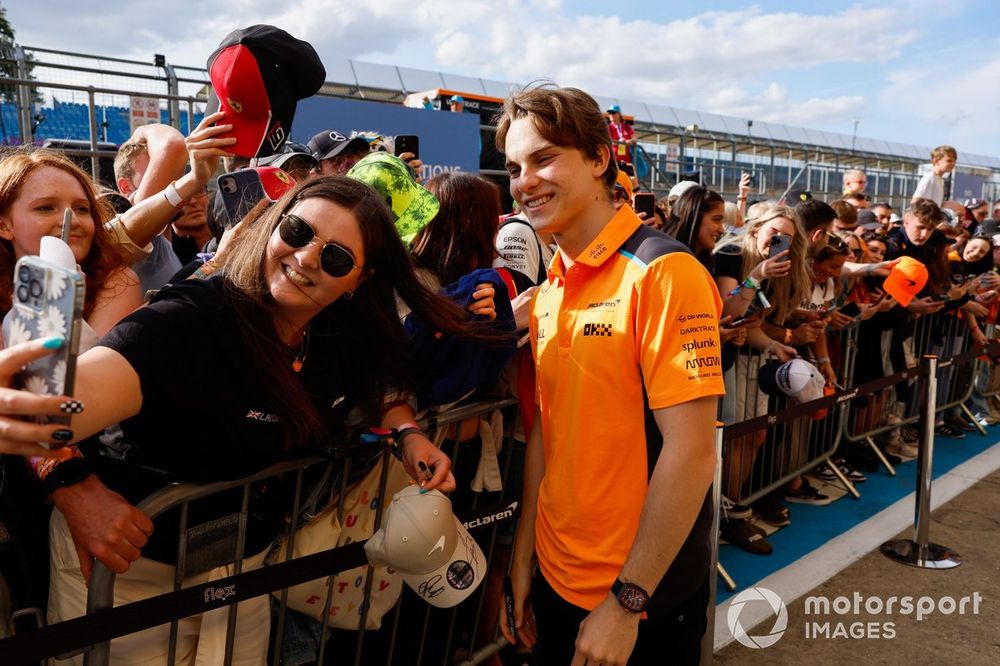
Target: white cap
{"points": [[681, 187], [800, 380], [425, 544]]}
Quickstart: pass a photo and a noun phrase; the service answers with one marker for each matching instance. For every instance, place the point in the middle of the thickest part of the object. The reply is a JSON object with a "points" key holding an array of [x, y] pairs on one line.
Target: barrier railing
{"points": [[890, 351], [793, 442], [773, 442], [762, 454], [102, 623]]}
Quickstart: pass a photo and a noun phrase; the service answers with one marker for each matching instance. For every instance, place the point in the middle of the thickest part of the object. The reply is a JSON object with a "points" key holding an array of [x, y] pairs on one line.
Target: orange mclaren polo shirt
{"points": [[629, 328]]}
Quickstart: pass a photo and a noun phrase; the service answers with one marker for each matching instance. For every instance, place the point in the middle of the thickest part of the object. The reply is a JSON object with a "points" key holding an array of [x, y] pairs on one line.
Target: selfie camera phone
{"points": [[48, 301], [407, 143], [779, 243], [645, 202], [241, 191], [850, 310]]}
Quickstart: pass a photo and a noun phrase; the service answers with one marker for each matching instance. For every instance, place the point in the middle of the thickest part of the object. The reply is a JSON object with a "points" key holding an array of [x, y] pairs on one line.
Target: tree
{"points": [[8, 67]]}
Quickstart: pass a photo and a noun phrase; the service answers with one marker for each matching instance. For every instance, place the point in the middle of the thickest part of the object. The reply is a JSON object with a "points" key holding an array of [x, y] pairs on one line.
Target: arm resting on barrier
{"points": [[419, 451], [103, 525], [683, 474], [523, 556]]}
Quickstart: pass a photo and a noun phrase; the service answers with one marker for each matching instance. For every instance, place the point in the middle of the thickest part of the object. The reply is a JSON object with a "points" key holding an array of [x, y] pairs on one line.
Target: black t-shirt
{"points": [[729, 262], [205, 415]]}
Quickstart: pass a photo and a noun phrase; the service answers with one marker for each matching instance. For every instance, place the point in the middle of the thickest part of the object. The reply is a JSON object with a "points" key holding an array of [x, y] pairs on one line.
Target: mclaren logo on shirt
{"points": [[602, 330]]}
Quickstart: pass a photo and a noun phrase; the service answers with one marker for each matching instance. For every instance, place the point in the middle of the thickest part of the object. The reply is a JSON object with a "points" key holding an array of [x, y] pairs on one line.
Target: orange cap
{"points": [[626, 184], [906, 280]]}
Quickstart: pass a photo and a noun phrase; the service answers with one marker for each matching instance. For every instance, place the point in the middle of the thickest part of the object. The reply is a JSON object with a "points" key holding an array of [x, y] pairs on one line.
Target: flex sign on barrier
{"points": [[448, 141]]}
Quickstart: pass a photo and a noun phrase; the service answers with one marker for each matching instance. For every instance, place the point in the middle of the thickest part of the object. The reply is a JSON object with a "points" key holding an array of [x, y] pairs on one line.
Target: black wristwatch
{"points": [[632, 598]]}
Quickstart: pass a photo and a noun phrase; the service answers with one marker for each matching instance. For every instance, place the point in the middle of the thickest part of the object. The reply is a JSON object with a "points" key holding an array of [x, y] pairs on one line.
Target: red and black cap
{"points": [[258, 74]]}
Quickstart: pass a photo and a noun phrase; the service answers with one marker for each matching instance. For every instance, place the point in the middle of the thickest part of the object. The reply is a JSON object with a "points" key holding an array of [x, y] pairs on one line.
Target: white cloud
{"points": [[773, 104], [727, 62], [958, 99]]}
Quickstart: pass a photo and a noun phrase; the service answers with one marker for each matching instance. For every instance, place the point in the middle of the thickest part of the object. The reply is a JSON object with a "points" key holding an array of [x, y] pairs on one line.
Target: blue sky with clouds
{"points": [[918, 72]]}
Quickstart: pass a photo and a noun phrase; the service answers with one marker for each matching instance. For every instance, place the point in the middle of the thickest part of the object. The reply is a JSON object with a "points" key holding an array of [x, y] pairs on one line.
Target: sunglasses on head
{"points": [[837, 243], [335, 259]]}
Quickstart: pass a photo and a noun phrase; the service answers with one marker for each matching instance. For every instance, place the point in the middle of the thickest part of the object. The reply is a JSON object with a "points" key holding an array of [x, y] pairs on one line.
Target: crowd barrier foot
{"points": [[726, 578], [881, 456], [929, 556], [844, 481], [973, 419]]}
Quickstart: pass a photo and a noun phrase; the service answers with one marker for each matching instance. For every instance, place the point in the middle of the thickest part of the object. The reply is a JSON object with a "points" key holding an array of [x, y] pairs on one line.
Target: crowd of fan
{"points": [[839, 252], [163, 223]]}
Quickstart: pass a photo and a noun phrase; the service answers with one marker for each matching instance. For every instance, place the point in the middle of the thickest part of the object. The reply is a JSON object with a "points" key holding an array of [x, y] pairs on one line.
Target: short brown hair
{"points": [[846, 213], [566, 117], [943, 151], [126, 157], [926, 212]]}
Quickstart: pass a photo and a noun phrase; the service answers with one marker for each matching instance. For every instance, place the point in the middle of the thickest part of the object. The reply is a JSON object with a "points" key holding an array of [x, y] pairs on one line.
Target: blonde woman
{"points": [[752, 281]]}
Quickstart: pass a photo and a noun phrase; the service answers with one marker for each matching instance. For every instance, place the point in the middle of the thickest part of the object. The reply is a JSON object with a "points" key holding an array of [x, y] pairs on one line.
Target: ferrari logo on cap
{"points": [[236, 106], [283, 177]]}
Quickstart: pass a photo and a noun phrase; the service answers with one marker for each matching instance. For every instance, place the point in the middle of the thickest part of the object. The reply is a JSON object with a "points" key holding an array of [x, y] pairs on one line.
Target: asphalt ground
{"points": [[970, 525]]}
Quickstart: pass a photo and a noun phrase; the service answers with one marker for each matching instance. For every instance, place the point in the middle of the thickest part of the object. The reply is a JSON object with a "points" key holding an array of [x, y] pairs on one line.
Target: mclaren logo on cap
{"points": [[438, 546], [234, 105]]}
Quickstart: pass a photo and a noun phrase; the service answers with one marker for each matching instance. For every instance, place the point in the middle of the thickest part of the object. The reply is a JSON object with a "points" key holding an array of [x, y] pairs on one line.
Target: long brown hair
{"points": [[370, 352], [461, 236], [103, 258]]}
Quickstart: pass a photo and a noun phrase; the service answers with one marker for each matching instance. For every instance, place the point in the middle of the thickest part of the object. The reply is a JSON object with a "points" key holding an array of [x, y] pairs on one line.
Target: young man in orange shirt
{"points": [[625, 337]]}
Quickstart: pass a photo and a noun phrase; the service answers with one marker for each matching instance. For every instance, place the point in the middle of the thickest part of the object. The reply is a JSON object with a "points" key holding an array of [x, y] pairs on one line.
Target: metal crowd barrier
{"points": [[401, 638], [897, 406], [759, 460], [775, 441]]}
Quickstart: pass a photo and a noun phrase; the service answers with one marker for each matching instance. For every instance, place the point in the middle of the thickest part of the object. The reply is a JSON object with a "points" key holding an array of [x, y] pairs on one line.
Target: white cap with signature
{"points": [[423, 541]]}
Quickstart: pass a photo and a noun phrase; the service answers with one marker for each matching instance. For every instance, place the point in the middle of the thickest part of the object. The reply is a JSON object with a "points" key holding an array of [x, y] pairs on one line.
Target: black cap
{"points": [[258, 74], [330, 143], [288, 151], [795, 197]]}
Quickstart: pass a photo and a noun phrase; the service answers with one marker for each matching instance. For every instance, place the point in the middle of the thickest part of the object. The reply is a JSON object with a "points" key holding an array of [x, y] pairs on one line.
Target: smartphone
{"points": [[850, 309], [751, 181], [644, 202], [779, 243], [241, 191], [939, 297], [48, 301], [742, 321], [627, 168], [407, 143]]}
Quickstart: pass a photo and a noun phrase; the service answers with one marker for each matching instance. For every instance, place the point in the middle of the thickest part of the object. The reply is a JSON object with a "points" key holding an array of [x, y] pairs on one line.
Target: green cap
{"points": [[412, 206]]}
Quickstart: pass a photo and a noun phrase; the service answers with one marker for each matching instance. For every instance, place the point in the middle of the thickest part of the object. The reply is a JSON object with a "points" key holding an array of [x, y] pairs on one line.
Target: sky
{"points": [[917, 72]]}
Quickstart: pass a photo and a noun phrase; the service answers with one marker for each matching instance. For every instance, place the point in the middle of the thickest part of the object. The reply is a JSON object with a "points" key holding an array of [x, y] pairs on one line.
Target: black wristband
{"points": [[66, 474], [397, 449]]}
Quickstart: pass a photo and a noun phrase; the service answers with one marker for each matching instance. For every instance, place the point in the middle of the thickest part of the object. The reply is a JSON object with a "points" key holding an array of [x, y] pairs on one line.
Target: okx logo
{"points": [[597, 329], [755, 595]]}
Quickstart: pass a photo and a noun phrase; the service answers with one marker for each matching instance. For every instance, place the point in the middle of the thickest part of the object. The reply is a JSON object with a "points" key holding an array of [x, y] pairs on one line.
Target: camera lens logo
{"points": [[777, 607]]}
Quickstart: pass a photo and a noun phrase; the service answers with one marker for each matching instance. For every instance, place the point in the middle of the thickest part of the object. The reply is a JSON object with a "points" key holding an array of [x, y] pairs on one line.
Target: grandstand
{"points": [[675, 143]]}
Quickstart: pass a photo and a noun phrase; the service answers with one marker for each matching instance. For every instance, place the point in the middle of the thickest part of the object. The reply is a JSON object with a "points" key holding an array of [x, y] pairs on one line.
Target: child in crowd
{"points": [[931, 184]]}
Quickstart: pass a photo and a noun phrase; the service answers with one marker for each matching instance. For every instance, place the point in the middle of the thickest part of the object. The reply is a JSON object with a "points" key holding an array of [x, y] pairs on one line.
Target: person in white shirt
{"points": [[931, 185]]}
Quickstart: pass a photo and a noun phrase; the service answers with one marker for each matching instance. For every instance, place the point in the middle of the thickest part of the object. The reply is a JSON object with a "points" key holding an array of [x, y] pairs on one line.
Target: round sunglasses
{"points": [[335, 259]]}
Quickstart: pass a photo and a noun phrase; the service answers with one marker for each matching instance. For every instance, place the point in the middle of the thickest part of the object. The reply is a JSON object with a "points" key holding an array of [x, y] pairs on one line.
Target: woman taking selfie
{"points": [[296, 330]]}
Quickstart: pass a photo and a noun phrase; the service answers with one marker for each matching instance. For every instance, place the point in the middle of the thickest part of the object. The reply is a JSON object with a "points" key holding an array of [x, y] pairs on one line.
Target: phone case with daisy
{"points": [[48, 301]]}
